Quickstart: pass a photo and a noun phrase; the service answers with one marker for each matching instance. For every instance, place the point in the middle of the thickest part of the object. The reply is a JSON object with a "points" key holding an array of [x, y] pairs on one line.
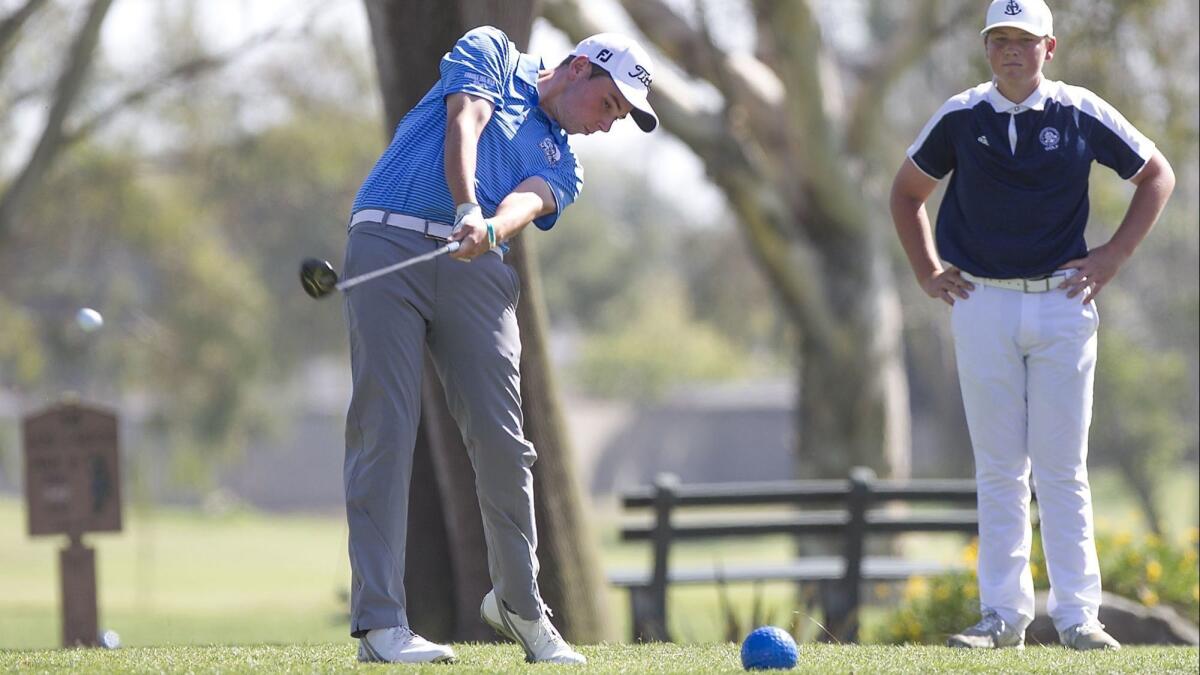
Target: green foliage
{"points": [[661, 300], [1146, 568], [1141, 416], [1149, 570], [657, 346], [933, 609], [22, 358]]}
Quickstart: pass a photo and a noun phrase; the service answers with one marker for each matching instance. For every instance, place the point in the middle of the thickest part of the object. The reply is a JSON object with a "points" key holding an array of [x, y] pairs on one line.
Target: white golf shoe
{"points": [[538, 637], [1088, 635], [990, 633], [400, 645]]}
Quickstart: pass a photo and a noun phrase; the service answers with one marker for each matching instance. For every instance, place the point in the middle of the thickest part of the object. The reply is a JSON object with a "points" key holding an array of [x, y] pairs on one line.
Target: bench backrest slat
{"points": [[818, 522], [803, 492]]}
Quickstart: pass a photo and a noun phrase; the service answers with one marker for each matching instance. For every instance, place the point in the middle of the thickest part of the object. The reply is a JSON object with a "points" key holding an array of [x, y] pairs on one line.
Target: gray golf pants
{"points": [[466, 313]]}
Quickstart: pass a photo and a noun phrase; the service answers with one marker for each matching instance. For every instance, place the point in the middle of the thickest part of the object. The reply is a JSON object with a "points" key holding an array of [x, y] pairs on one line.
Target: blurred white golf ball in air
{"points": [[89, 320]]}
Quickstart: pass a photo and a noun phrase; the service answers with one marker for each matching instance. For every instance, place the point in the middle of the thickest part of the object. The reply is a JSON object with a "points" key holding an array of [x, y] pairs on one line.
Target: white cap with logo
{"points": [[630, 68], [1031, 16]]}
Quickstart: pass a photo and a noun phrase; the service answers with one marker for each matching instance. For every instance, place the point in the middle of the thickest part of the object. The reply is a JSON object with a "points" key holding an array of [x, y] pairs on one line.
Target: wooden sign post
{"points": [[72, 486]]}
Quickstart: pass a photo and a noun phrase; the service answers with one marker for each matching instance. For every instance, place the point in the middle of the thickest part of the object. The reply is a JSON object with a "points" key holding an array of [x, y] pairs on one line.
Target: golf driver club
{"points": [[319, 278]]}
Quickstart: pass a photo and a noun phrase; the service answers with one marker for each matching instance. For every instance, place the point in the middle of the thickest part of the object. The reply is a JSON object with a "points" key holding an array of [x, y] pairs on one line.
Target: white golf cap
{"points": [[1031, 16], [630, 68]]}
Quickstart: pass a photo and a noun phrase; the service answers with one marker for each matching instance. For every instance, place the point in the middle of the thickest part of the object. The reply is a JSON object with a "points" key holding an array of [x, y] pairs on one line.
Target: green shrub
{"points": [[1152, 570], [1147, 569]]}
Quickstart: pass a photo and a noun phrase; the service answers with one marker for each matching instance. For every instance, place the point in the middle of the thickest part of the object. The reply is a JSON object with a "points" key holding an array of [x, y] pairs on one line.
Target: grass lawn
{"points": [[186, 578], [609, 658]]}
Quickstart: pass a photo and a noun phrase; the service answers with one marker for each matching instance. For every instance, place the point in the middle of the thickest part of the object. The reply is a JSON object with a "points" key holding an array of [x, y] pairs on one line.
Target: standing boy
{"points": [[1022, 286]]}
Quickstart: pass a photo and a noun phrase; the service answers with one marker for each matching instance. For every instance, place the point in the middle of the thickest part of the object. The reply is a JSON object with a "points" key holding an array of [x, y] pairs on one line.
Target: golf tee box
{"points": [[72, 486]]}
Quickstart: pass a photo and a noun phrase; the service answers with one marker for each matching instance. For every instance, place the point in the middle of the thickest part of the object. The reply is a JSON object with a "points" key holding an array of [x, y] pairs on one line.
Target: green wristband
{"points": [[491, 229]]}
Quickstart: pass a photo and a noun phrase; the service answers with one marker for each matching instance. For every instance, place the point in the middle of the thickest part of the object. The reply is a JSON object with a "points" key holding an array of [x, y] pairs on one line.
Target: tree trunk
{"points": [[853, 405], [410, 39], [571, 581]]}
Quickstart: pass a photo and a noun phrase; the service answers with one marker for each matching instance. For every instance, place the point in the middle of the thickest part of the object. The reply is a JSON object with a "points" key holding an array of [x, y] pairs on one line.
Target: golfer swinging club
{"points": [[482, 155]]}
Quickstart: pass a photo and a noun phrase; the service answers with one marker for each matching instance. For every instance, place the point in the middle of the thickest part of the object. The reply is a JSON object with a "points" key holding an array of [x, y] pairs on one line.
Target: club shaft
{"points": [[346, 284]]}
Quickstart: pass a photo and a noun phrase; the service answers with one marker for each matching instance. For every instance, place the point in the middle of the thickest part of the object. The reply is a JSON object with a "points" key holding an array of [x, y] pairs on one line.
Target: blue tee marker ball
{"points": [[767, 648]]}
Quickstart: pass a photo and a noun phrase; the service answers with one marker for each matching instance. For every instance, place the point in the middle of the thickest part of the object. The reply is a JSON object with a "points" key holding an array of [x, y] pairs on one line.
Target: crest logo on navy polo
{"points": [[1049, 138], [1013, 8], [553, 154]]}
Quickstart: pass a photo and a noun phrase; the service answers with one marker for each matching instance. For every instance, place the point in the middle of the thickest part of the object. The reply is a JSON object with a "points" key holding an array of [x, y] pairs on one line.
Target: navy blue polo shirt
{"points": [[519, 141], [1017, 203]]}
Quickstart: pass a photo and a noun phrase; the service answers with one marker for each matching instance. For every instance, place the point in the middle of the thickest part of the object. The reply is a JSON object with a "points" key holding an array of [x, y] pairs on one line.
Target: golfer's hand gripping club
{"points": [[319, 279]]}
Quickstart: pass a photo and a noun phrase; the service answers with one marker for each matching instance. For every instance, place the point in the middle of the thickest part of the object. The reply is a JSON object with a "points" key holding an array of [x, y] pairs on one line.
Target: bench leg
{"points": [[841, 612], [648, 618]]}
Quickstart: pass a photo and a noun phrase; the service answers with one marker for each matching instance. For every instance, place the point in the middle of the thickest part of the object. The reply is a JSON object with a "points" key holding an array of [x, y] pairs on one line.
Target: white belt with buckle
{"points": [[430, 228], [1038, 285]]}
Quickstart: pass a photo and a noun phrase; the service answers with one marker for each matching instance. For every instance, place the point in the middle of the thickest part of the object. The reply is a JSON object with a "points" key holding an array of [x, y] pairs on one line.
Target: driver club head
{"points": [[317, 277]]}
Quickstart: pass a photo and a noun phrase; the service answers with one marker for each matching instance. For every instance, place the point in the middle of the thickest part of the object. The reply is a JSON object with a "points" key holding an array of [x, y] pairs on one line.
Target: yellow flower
{"points": [[941, 592], [1122, 539], [1148, 597], [916, 587], [1196, 591], [971, 553], [1152, 540], [1194, 535], [1153, 571]]}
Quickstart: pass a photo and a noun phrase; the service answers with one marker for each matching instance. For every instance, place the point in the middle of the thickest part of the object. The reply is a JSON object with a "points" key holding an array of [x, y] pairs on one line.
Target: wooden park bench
{"points": [[850, 511]]}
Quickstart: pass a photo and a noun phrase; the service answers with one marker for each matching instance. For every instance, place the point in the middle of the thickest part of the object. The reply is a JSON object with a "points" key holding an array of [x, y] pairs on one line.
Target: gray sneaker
{"points": [[1088, 635], [990, 633]]}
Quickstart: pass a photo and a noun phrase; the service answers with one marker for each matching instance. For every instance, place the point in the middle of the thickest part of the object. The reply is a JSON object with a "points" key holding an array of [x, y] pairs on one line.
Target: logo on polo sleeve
{"points": [[550, 148], [481, 81], [1049, 138]]}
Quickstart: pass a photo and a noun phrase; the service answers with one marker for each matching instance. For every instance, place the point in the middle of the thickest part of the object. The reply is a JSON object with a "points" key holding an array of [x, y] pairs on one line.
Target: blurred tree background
{"points": [[173, 176]]}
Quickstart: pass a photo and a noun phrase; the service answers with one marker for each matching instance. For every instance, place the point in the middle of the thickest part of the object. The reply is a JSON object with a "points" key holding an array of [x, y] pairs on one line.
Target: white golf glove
{"points": [[467, 212]]}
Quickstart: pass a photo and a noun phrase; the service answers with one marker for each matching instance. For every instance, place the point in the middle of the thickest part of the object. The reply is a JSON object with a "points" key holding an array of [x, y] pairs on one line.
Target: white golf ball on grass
{"points": [[89, 320]]}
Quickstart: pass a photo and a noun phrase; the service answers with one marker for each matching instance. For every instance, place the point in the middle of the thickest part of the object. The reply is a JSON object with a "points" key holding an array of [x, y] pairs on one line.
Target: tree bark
{"points": [[410, 39], [70, 82], [10, 27], [572, 581]]}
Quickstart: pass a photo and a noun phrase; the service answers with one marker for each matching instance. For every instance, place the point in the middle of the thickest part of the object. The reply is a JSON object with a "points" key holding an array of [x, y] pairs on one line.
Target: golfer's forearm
{"points": [[460, 163], [466, 116], [531, 199], [515, 212]]}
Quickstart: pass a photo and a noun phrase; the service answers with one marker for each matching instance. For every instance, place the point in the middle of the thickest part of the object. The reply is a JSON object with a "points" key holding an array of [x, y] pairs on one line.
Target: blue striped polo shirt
{"points": [[518, 142], [1017, 202]]}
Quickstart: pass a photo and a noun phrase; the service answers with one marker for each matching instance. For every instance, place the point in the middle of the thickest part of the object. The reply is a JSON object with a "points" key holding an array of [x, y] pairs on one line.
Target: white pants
{"points": [[1026, 363]]}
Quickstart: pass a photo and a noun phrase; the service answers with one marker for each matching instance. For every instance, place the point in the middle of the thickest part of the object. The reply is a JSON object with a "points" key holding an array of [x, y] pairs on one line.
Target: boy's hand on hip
{"points": [[1093, 272], [945, 284]]}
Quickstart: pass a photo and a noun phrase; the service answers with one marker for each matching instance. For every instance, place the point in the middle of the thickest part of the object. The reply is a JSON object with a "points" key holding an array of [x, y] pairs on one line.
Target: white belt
{"points": [[430, 228], [1038, 285]]}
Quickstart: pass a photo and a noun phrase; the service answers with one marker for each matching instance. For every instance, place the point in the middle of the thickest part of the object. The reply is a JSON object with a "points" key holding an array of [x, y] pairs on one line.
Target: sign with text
{"points": [[72, 470]]}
